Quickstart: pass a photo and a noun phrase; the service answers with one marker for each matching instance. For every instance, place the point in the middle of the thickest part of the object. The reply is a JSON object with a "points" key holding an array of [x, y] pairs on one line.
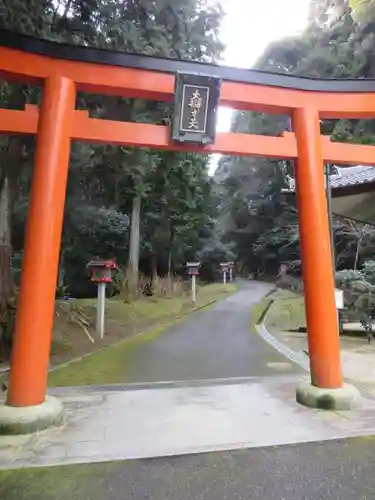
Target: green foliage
{"points": [[181, 210], [361, 9], [213, 252], [177, 205], [91, 233], [359, 289], [254, 213]]}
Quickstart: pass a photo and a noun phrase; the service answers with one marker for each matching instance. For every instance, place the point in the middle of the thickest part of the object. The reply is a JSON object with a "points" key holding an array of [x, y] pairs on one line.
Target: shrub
{"points": [[359, 292]]}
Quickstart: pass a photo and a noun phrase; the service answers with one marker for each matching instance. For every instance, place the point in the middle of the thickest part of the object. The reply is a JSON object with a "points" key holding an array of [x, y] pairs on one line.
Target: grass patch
{"points": [[107, 366], [287, 312], [215, 291], [47, 483], [103, 367], [150, 308], [153, 308], [260, 309]]}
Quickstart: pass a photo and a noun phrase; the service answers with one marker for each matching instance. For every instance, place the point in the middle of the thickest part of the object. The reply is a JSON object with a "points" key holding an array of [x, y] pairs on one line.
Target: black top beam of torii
{"points": [[161, 64]]}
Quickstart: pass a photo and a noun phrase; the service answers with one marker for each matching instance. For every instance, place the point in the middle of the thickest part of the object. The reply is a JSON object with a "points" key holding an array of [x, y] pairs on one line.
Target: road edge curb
{"points": [[260, 326]]}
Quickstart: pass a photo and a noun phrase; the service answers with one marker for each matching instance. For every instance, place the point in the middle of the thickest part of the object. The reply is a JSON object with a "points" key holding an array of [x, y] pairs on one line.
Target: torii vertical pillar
{"points": [[35, 314], [326, 389]]}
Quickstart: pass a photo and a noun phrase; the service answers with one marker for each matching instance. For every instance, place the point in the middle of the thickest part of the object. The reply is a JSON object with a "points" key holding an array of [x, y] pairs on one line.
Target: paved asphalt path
{"points": [[210, 344], [333, 470]]}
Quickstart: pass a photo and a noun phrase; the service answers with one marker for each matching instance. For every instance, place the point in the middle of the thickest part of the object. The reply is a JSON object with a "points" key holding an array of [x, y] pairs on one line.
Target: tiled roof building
{"points": [[353, 192]]}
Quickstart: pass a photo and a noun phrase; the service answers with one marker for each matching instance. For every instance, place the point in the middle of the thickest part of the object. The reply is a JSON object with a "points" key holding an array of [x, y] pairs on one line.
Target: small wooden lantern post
{"points": [[225, 268], [231, 266], [193, 271], [101, 274]]}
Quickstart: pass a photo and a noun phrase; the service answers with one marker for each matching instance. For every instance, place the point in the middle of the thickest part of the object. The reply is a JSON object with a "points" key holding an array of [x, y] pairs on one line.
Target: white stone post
{"points": [[193, 289], [100, 310]]}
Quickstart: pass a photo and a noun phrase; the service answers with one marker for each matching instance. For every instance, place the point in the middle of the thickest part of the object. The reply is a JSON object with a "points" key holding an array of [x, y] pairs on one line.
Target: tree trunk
{"points": [[61, 273], [6, 278], [170, 263], [154, 267], [359, 242], [170, 252], [170, 259], [6, 281], [11, 162], [134, 244]]}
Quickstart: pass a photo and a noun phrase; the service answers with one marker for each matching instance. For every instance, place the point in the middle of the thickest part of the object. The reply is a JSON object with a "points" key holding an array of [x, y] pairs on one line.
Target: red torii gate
{"points": [[63, 70]]}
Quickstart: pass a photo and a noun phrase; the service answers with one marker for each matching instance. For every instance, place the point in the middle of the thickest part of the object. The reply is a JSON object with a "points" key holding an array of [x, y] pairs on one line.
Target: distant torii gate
{"points": [[63, 70]]}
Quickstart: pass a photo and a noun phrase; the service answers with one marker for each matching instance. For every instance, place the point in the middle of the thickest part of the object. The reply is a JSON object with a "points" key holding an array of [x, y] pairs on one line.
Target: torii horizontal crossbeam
{"points": [[96, 130]]}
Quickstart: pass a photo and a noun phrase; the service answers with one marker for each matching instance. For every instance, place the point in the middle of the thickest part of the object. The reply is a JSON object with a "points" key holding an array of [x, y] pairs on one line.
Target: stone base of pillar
{"points": [[346, 397], [28, 419]]}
